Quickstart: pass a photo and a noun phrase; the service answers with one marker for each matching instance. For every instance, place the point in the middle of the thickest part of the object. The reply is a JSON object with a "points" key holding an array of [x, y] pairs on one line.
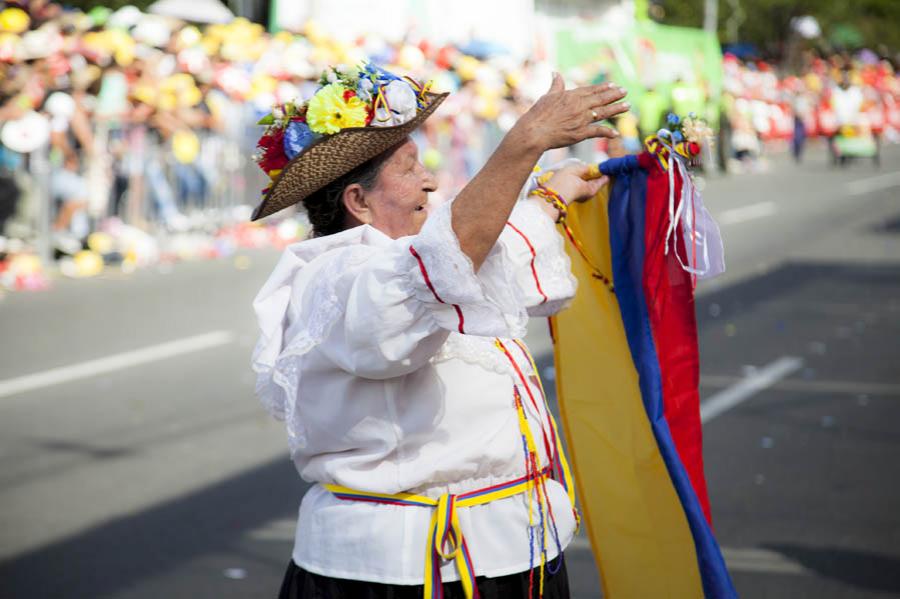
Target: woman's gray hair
{"points": [[325, 208]]}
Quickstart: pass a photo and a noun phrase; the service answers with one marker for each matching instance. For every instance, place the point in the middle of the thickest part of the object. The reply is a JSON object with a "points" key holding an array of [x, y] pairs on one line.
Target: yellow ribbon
{"points": [[445, 538]]}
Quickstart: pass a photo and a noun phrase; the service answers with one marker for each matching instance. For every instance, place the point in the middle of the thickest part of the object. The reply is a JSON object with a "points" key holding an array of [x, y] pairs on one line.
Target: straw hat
{"points": [[331, 156]]}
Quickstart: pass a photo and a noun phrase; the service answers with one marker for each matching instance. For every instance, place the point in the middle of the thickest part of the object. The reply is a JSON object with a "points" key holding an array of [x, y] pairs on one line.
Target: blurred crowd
{"points": [[831, 96], [126, 136]]}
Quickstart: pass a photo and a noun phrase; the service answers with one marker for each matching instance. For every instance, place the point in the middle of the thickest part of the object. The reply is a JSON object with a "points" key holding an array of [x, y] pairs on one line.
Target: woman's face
{"points": [[398, 204]]}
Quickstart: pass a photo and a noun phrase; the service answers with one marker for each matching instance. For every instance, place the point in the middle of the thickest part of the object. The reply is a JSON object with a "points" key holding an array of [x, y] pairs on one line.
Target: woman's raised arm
{"points": [[558, 119]]}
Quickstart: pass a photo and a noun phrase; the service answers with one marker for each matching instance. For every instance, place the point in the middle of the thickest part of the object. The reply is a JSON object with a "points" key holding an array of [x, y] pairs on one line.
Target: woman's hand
{"points": [[573, 185], [563, 117]]}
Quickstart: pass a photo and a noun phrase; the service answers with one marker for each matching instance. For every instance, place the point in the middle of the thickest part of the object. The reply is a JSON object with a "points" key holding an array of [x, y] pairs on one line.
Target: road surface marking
{"points": [[761, 560], [870, 184], [748, 387], [738, 560], [748, 213], [281, 529], [64, 374], [849, 387]]}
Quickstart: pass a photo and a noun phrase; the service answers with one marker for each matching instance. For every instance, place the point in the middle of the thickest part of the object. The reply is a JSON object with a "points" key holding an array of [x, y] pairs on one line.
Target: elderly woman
{"points": [[390, 346]]}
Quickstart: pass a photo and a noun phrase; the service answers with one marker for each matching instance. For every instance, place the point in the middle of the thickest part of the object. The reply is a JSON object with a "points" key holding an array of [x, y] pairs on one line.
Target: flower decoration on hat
{"points": [[335, 107], [367, 97]]}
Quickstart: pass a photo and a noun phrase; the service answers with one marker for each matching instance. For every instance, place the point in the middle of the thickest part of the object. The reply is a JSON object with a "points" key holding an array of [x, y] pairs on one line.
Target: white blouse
{"points": [[379, 355]]}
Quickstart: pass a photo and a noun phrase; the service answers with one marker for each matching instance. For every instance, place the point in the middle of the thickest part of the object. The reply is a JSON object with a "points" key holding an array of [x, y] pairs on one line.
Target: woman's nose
{"points": [[430, 181]]}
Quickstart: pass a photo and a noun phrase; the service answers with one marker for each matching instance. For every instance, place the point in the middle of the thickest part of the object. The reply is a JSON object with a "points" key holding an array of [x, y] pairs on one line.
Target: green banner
{"points": [[682, 65]]}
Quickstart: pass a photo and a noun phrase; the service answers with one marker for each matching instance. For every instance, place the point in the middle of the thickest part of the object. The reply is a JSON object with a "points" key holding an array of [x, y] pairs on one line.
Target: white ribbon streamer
{"points": [[679, 214]]}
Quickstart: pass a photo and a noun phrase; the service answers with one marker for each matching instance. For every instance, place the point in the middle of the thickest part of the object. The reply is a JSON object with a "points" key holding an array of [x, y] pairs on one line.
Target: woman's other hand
{"points": [[573, 183]]}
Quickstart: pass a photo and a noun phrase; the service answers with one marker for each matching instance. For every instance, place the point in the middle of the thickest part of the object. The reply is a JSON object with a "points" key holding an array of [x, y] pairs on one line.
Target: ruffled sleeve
{"points": [[443, 278], [376, 308], [402, 303], [541, 269], [287, 334]]}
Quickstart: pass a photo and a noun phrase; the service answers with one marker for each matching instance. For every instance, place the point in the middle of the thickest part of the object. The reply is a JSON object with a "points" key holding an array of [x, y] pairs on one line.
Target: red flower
{"points": [[271, 139], [273, 156], [694, 148], [370, 114], [349, 94]]}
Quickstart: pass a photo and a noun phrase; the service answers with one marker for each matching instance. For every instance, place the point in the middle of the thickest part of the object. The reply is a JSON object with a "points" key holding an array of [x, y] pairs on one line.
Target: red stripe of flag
{"points": [[668, 291]]}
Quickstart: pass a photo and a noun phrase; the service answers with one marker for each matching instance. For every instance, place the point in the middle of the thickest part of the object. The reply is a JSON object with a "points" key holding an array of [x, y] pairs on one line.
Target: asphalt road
{"points": [[135, 462]]}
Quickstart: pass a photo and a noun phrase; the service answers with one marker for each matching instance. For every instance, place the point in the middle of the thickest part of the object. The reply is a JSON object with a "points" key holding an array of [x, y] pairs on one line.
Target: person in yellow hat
{"points": [[14, 20], [390, 345]]}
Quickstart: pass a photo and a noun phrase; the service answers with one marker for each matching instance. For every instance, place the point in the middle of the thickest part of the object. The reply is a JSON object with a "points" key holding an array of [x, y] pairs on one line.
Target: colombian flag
{"points": [[627, 368]]}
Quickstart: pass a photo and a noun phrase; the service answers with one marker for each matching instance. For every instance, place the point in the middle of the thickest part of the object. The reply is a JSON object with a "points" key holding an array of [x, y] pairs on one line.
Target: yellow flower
{"points": [[329, 112]]}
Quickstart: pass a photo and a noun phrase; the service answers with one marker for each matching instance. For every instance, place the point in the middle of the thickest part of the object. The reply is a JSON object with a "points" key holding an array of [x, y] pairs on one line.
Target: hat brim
{"points": [[333, 156]]}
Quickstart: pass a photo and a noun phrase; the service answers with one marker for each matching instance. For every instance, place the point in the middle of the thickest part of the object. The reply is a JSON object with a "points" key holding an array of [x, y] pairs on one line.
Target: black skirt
{"points": [[300, 584]]}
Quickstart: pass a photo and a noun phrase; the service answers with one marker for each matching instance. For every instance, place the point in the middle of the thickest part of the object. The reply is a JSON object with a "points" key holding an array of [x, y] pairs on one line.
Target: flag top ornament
{"points": [[635, 438]]}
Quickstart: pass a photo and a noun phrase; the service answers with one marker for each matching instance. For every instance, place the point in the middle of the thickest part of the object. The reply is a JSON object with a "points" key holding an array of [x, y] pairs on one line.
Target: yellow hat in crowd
{"points": [[179, 90], [185, 146], [14, 20]]}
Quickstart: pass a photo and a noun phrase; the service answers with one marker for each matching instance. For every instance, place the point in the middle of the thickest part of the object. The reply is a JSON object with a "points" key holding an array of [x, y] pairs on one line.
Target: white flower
{"points": [[401, 98], [364, 89], [332, 76], [277, 113]]}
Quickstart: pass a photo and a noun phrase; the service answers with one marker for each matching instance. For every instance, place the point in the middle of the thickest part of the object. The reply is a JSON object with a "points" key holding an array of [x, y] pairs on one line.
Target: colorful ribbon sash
{"points": [[445, 538]]}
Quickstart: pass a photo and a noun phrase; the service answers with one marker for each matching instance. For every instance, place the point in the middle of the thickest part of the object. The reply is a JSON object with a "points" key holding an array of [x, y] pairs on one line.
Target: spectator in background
{"points": [[71, 141], [651, 107], [688, 97], [847, 101], [68, 192], [801, 106], [627, 126]]}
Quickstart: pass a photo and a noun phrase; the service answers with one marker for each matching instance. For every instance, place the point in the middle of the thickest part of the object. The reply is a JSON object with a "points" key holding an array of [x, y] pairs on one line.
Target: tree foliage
{"points": [[766, 23]]}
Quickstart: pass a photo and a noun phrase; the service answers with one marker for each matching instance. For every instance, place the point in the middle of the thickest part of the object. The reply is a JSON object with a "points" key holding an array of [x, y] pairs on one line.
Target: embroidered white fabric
{"points": [[479, 351], [277, 380], [552, 266]]}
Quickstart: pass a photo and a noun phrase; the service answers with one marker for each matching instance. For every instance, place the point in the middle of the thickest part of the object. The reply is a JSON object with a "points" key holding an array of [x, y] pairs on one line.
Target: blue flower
{"points": [[677, 136], [297, 137], [673, 119], [376, 74]]}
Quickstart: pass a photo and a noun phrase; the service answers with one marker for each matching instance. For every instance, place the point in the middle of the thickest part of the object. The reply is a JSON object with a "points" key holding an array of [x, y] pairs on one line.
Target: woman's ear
{"points": [[354, 198]]}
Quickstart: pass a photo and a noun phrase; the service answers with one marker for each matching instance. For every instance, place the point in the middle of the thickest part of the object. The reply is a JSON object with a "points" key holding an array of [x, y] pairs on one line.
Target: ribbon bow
{"points": [[446, 532]]}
